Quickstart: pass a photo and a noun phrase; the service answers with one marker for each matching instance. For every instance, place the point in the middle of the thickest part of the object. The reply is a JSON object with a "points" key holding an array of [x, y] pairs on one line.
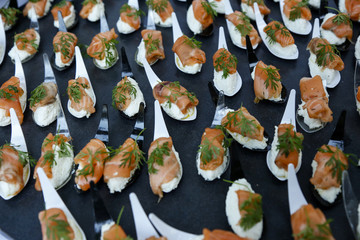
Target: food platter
{"points": [[195, 204]]}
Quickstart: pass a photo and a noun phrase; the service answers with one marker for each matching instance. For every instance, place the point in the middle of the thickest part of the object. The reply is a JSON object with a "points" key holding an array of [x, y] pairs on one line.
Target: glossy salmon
{"points": [[65, 43], [39, 7], [276, 32], [155, 238], [129, 15], [296, 5], [163, 8], [26, 41], [115, 232], [344, 29], [358, 94], [63, 7], [80, 99], [153, 45], [242, 23], [243, 196], [91, 163], [188, 53], [201, 14], [218, 234], [55, 225], [10, 93], [87, 6], [122, 96], [264, 10], [353, 8], [224, 55], [212, 139], [98, 44], [50, 91]]}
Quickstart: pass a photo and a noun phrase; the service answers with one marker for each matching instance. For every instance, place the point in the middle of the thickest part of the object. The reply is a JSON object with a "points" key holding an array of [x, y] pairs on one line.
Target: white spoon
{"points": [[18, 142], [53, 200], [19, 73], [291, 27], [222, 44], [2, 41], [295, 195], [288, 118], [134, 4], [154, 80], [170, 232], [230, 25], [316, 34], [260, 23], [143, 227]]}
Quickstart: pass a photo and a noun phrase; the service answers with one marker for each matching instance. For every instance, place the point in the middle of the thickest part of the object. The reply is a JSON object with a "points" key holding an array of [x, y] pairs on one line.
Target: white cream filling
{"points": [[282, 51], [326, 194], [299, 24], [62, 166], [60, 63], [7, 190], [102, 63], [160, 22], [235, 35], [174, 111], [169, 186], [279, 172], [117, 184], [228, 85], [233, 212], [192, 69], [326, 74], [68, 20], [96, 12], [194, 25], [32, 12], [133, 108], [329, 35], [82, 113], [219, 6], [357, 48], [277, 99], [249, 11], [106, 227], [315, 3], [23, 54], [45, 115], [141, 53], [311, 122], [124, 27]]}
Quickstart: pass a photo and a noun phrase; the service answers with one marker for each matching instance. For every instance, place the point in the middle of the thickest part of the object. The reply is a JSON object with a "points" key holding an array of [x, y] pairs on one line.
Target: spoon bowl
{"points": [[295, 195]]}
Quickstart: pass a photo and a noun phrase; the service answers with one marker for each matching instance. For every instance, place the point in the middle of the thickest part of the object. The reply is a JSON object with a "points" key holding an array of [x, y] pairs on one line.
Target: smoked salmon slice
{"points": [[87, 6], [358, 94], [276, 32], [130, 15], [27, 41], [243, 25], [353, 8], [228, 61], [162, 7], [10, 93], [122, 94], [309, 217], [9, 16], [55, 225], [163, 165], [211, 148], [11, 169], [47, 161], [264, 10], [293, 144], [296, 9], [39, 7], [187, 51], [267, 82], [255, 200], [44, 94], [153, 45], [80, 99], [98, 44], [234, 122], [173, 92], [201, 14], [64, 7], [326, 54], [65, 42], [115, 232], [324, 176], [91, 163], [218, 234], [340, 29]]}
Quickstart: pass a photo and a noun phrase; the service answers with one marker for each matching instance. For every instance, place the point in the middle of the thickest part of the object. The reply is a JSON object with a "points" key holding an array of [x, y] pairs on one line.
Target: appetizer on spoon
{"points": [[103, 46], [313, 113], [57, 155], [276, 37], [126, 95], [239, 26], [350, 7], [200, 17], [44, 100], [296, 16], [15, 162], [151, 46], [226, 77], [248, 7], [64, 44], [123, 167], [26, 44], [56, 219], [162, 11], [81, 94], [176, 101], [324, 59], [164, 166], [37, 8], [91, 158], [68, 13], [130, 17], [13, 94], [9, 17], [287, 144], [2, 40], [306, 221], [189, 58], [92, 10]]}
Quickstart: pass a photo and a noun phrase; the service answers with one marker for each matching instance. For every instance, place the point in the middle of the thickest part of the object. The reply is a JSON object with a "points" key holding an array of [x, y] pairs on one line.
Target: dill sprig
{"points": [[64, 46], [10, 15], [74, 91], [119, 92], [22, 38], [38, 94], [272, 29], [253, 211], [246, 126], [62, 3], [34, 1], [64, 149], [151, 44], [157, 156], [192, 42], [109, 55], [209, 8], [245, 27], [251, 2], [57, 228], [8, 92], [86, 2], [175, 89], [295, 12], [273, 77], [225, 61], [157, 5], [341, 18], [24, 157], [289, 142], [326, 52], [89, 169], [135, 13]]}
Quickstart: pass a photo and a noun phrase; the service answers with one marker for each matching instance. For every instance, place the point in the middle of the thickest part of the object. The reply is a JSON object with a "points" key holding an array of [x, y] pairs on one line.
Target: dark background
{"points": [[195, 204]]}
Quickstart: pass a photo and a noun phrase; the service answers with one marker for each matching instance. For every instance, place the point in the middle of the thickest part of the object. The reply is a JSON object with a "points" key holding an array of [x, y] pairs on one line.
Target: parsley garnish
{"points": [[38, 94], [151, 44], [74, 91], [245, 27], [133, 12], [192, 42], [22, 38], [64, 149], [225, 61], [157, 156], [209, 8], [24, 157], [6, 92], [273, 77], [341, 18], [251, 2], [119, 92], [34, 1], [109, 55], [176, 92], [272, 29], [238, 120], [326, 52], [65, 43], [157, 5], [253, 211], [10, 15], [89, 169], [57, 228], [295, 12], [289, 142], [86, 2]]}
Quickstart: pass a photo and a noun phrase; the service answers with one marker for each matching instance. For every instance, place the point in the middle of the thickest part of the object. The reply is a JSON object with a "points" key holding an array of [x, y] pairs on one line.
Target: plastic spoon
{"points": [[2, 41], [288, 118], [261, 25], [291, 28], [295, 195], [134, 4], [222, 44], [205, 32], [19, 73], [154, 80]]}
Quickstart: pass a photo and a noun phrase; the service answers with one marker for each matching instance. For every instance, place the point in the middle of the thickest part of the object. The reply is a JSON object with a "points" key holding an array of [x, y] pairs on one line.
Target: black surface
{"points": [[195, 204]]}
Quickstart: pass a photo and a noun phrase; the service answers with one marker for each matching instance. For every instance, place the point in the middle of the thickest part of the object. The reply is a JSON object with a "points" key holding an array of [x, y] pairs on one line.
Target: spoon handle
{"points": [[222, 39], [2, 41], [17, 135], [295, 195], [316, 28], [228, 8], [125, 66], [152, 77], [61, 124], [252, 58], [160, 129], [134, 4], [289, 114], [337, 138], [150, 20], [19, 73], [176, 27], [220, 110], [62, 26], [139, 126], [34, 21], [103, 130], [49, 74], [104, 27]]}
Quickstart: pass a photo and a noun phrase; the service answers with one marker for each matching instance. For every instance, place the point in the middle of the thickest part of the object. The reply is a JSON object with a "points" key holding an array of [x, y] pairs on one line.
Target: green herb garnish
{"points": [[151, 44], [209, 8], [7, 94], [326, 51], [61, 4], [273, 77], [271, 32], [86, 2], [157, 156], [253, 211], [10, 15], [134, 12], [74, 91], [63, 47], [224, 62], [89, 169], [64, 149], [245, 27], [238, 120], [341, 18], [175, 89], [24, 157], [119, 92], [295, 12], [57, 228], [22, 38], [157, 5], [38, 94], [288, 142], [192, 42]]}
